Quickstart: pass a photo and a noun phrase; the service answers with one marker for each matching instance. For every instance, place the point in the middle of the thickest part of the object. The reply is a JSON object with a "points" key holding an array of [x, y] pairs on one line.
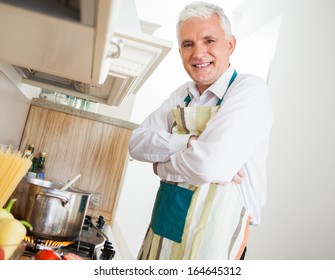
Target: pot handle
{"points": [[63, 199]]}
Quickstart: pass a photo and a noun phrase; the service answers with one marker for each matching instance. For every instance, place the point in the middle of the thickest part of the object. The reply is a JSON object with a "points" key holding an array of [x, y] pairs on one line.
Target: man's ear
{"points": [[232, 45]]}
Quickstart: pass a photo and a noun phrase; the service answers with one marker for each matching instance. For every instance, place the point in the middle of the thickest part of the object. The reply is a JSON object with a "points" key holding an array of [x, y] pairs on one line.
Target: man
{"points": [[208, 144]]}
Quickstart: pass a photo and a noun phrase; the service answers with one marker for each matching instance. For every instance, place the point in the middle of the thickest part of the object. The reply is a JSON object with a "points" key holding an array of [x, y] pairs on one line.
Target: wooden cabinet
{"points": [[96, 150]]}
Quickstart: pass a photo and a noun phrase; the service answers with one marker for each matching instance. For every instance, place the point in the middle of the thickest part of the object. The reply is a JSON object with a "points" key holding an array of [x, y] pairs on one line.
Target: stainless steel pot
{"points": [[53, 213]]}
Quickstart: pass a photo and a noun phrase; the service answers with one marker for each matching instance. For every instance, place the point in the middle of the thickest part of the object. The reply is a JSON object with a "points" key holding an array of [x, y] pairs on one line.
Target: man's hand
{"points": [[190, 140], [154, 167], [238, 178]]}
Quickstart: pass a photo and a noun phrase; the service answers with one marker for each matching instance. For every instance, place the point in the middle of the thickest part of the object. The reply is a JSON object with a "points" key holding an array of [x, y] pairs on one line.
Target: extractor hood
{"points": [[140, 55], [76, 57]]}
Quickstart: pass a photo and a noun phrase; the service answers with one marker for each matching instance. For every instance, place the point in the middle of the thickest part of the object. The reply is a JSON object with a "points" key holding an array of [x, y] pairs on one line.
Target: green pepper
{"points": [[12, 230]]}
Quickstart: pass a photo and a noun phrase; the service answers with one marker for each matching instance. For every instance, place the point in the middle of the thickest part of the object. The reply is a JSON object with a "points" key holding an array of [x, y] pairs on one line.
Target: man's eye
{"points": [[186, 45], [209, 41]]}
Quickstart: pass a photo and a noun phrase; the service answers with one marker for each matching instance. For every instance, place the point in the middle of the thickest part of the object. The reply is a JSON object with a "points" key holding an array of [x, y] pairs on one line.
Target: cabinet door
{"points": [[76, 145], [46, 43]]}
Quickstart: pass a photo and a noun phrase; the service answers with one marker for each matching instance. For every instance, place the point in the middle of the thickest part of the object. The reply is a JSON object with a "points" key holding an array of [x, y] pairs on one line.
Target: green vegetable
{"points": [[5, 212], [12, 230]]}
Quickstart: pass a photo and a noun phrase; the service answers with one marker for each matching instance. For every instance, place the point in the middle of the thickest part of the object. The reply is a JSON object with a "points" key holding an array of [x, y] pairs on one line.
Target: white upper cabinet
{"points": [[76, 49]]}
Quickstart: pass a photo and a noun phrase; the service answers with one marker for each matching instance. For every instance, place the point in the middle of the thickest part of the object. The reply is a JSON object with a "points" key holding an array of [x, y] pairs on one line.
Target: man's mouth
{"points": [[202, 65]]}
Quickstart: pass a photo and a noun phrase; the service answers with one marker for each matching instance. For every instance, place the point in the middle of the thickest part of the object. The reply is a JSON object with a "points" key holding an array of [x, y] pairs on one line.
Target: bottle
{"points": [[32, 173], [41, 166], [29, 151]]}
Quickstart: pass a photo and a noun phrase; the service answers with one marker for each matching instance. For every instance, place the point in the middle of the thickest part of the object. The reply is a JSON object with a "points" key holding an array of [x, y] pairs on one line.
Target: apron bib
{"points": [[196, 222]]}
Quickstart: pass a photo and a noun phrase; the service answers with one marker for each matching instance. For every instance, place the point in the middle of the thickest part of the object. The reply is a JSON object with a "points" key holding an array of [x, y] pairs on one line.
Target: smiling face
{"points": [[204, 50]]}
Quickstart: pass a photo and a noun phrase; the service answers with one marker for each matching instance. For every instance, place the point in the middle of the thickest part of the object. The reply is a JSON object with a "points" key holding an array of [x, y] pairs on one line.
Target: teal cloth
{"points": [[170, 211]]}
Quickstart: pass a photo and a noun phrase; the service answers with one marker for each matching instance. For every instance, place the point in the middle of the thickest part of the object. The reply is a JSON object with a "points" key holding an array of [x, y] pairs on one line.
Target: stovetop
{"points": [[92, 243]]}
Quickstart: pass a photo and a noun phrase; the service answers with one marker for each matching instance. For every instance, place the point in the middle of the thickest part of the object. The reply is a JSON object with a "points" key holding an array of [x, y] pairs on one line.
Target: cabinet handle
{"points": [[116, 42]]}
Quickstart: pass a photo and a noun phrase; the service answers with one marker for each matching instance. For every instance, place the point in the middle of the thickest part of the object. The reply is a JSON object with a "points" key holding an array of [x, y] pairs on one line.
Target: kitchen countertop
{"points": [[81, 113]]}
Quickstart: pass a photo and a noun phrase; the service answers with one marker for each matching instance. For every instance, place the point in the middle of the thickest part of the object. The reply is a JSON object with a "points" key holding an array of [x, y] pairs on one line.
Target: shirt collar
{"points": [[218, 88]]}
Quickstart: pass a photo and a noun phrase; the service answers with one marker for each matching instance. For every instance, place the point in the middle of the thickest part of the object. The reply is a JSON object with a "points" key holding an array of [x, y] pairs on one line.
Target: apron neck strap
{"points": [[187, 99], [229, 84]]}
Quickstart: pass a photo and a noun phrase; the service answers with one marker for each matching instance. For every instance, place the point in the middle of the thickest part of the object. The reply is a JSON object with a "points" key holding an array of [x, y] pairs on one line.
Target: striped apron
{"points": [[196, 222]]}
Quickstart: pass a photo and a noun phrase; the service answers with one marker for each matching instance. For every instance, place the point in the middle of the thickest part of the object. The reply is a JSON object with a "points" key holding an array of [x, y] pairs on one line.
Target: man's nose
{"points": [[199, 51]]}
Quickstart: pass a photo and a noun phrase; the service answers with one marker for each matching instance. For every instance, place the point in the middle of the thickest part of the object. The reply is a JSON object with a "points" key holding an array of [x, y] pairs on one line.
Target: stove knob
{"points": [[108, 245], [88, 220], [107, 252], [101, 222]]}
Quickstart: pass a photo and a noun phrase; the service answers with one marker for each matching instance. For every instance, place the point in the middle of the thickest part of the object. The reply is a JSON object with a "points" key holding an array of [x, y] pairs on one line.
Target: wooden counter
{"points": [[80, 142]]}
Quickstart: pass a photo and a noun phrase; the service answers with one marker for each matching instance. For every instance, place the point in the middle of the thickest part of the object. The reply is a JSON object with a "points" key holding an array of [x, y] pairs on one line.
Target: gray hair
{"points": [[204, 10]]}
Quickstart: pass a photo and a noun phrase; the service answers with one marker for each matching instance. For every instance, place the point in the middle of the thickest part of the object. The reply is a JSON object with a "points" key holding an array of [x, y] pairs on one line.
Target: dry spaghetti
{"points": [[13, 166]]}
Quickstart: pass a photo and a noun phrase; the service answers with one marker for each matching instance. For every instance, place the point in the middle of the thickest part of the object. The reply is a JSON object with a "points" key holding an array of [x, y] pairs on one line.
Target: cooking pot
{"points": [[54, 214]]}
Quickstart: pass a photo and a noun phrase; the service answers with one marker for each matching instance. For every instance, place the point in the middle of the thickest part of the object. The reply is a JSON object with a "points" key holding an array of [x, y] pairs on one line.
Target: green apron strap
{"points": [[187, 99], [230, 82]]}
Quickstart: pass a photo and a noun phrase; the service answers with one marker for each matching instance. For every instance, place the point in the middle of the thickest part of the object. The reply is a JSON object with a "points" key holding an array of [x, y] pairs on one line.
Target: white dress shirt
{"points": [[236, 137]]}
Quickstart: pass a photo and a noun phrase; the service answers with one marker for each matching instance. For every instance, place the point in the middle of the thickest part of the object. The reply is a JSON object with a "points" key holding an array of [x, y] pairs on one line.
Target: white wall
{"points": [[14, 107], [297, 221]]}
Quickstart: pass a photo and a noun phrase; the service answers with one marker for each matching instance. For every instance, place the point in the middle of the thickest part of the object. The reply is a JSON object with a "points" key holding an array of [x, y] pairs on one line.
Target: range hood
{"points": [[139, 57], [87, 58]]}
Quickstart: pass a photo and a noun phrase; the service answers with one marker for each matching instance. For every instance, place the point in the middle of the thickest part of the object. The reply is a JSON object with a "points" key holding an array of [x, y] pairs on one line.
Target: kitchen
{"points": [[104, 64], [293, 50]]}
